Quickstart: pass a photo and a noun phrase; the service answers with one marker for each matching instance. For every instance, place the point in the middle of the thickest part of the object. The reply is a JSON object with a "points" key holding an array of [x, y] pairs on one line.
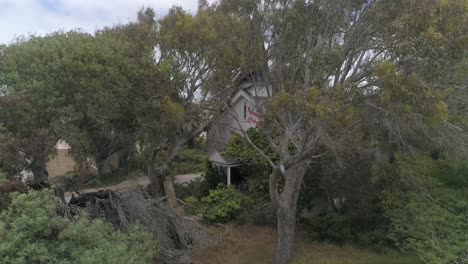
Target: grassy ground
{"points": [[252, 244]]}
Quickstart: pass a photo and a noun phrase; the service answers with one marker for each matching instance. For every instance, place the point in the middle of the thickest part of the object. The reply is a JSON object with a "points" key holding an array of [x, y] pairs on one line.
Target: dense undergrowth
{"points": [[34, 229]]}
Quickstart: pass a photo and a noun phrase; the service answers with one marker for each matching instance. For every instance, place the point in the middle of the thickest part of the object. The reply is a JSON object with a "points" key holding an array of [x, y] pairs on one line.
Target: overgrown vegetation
{"points": [[255, 168], [221, 205], [191, 159], [7, 187], [362, 137], [428, 207], [34, 231], [213, 176]]}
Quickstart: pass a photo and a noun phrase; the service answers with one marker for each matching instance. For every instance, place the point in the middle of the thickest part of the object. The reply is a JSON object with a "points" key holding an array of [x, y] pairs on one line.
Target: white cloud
{"points": [[22, 17]]}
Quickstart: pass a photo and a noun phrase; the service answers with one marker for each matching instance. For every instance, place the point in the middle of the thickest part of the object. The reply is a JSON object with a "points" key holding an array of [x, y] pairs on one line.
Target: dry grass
{"points": [[249, 244]]}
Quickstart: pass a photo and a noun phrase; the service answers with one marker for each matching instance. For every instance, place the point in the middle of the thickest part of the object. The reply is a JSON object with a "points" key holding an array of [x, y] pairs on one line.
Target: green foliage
{"points": [[8, 186], [32, 231], [195, 206], [344, 206], [255, 168], [221, 205], [261, 213], [427, 204], [333, 227], [213, 175], [190, 160], [197, 188]]}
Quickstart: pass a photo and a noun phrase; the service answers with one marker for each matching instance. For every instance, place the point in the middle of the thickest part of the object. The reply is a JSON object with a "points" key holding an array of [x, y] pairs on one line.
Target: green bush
{"points": [[428, 208], [197, 188], [190, 160], [194, 205], [32, 231], [332, 226], [255, 168], [221, 205], [213, 175], [260, 213], [7, 186]]}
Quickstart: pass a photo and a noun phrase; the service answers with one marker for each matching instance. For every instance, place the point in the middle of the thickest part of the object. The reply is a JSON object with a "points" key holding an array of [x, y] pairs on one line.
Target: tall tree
{"points": [[51, 84], [350, 73], [202, 54]]}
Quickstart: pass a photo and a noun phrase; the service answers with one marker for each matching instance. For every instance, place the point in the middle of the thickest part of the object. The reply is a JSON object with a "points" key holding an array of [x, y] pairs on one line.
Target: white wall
{"points": [[62, 144], [220, 133]]}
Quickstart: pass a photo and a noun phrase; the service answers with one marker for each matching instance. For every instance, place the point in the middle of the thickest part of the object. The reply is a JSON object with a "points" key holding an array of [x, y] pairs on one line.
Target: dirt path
{"points": [[136, 182]]}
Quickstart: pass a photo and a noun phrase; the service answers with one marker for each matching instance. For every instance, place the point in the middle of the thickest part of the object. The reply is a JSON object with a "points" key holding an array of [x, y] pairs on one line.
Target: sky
{"points": [[23, 17]]}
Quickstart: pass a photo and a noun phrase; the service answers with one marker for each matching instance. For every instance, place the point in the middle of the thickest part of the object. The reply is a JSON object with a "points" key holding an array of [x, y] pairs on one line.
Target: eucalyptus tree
{"points": [[115, 137], [202, 55], [348, 74], [51, 84]]}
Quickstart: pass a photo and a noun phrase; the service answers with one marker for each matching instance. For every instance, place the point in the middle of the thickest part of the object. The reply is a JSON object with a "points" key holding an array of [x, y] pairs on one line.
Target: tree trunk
{"points": [[40, 177], [103, 167], [286, 212], [114, 162], [38, 163], [170, 193], [286, 218], [156, 179]]}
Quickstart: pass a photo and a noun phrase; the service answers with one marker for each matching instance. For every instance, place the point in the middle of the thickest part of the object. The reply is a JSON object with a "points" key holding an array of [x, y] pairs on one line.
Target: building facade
{"points": [[244, 112]]}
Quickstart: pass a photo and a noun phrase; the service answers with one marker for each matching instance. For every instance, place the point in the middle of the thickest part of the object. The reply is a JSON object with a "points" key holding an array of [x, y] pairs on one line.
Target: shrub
{"points": [[255, 168], [32, 231], [7, 187], [221, 205], [195, 206], [190, 160], [428, 208], [260, 213], [197, 188], [213, 175], [332, 226]]}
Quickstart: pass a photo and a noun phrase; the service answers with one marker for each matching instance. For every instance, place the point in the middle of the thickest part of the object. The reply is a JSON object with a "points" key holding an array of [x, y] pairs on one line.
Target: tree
{"points": [[349, 74], [31, 103], [115, 136], [202, 55], [67, 85]]}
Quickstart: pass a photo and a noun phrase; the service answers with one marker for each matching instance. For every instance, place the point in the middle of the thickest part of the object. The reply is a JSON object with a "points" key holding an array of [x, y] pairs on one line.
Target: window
{"points": [[245, 111]]}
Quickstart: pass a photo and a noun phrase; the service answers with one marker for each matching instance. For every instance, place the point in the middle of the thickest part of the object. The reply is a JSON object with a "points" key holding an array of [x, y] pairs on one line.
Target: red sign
{"points": [[252, 117]]}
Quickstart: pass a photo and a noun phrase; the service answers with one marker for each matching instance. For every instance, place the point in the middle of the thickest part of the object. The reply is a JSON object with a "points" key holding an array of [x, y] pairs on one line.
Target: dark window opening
{"points": [[245, 111]]}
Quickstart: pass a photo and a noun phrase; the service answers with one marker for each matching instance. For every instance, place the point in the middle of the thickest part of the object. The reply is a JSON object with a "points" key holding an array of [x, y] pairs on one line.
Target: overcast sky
{"points": [[21, 17]]}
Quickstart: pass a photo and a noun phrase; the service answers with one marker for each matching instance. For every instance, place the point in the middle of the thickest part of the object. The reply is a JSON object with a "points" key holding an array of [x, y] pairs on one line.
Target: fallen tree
{"points": [[177, 236]]}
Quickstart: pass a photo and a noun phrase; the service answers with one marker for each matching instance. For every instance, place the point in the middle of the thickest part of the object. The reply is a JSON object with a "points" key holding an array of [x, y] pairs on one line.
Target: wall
{"points": [[220, 133]]}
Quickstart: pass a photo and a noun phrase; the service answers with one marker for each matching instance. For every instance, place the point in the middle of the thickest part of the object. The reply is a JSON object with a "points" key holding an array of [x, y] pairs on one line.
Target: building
{"points": [[244, 112]]}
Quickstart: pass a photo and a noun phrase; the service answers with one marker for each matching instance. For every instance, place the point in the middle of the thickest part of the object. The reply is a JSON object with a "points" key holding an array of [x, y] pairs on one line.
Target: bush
{"points": [[333, 227], [190, 160], [221, 205], [7, 187], [197, 188], [195, 206], [213, 175], [255, 168], [428, 208], [260, 213], [32, 231]]}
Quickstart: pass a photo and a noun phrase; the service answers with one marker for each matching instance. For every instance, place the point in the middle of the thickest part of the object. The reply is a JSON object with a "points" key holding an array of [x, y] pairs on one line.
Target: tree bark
{"points": [[286, 212], [103, 167], [155, 177], [170, 192], [115, 161], [40, 177]]}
